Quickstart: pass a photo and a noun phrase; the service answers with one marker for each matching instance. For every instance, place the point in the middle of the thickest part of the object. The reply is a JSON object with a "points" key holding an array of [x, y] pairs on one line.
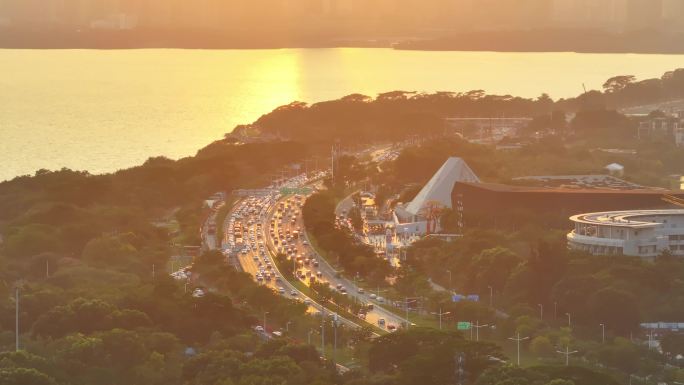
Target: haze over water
{"points": [[105, 110]]}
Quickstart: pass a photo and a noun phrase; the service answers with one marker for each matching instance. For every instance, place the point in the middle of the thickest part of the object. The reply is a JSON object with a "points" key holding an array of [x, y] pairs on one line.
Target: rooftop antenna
{"points": [[584, 87]]}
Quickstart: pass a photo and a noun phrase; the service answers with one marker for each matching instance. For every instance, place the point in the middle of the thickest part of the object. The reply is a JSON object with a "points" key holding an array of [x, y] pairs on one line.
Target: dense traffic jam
{"points": [[245, 237], [267, 224]]}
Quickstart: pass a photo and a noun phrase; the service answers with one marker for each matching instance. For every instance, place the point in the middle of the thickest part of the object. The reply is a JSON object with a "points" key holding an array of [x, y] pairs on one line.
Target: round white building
{"points": [[639, 233]]}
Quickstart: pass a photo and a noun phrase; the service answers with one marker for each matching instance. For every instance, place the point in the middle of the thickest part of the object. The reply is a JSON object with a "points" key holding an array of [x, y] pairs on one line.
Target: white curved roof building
{"points": [[409, 218], [641, 233], [439, 188]]}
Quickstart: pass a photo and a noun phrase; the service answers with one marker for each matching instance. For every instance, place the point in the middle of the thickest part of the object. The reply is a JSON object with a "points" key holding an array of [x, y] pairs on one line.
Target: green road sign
{"points": [[463, 326]]}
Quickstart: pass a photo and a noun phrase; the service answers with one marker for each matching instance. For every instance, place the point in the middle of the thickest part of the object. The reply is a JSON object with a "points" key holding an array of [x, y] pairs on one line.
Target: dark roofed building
{"points": [[499, 205]]}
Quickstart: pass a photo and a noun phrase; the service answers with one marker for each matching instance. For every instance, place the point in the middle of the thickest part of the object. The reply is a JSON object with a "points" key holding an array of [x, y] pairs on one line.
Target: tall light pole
{"points": [[567, 354], [287, 326], [440, 314], [16, 309], [449, 271], [603, 333], [541, 311], [323, 331], [517, 339], [569, 323], [477, 329], [408, 300], [491, 296], [335, 336]]}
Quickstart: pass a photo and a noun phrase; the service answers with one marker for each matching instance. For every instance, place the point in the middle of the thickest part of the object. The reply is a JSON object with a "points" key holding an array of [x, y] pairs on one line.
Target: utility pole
{"points": [[567, 354], [477, 329], [517, 339], [440, 314]]}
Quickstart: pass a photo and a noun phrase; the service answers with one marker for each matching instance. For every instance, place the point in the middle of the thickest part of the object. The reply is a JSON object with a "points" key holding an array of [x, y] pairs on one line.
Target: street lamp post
{"points": [[16, 309], [491, 296], [603, 333], [287, 326], [440, 314], [541, 311], [477, 330], [517, 339], [408, 300], [335, 336], [567, 354], [323, 331], [449, 271], [569, 323]]}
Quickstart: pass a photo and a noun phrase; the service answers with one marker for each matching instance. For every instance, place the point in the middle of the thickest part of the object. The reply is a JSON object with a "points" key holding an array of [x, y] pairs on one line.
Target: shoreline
{"points": [[323, 47]]}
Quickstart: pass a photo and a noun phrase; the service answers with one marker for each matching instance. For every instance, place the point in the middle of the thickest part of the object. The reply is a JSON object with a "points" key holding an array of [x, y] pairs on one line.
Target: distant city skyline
{"points": [[389, 16]]}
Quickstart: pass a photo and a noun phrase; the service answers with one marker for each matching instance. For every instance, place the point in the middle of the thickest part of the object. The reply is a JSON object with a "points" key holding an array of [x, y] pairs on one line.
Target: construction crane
{"points": [[671, 199]]}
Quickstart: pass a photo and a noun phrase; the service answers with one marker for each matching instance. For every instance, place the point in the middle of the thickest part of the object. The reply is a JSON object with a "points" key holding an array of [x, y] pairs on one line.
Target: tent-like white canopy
{"points": [[439, 188]]}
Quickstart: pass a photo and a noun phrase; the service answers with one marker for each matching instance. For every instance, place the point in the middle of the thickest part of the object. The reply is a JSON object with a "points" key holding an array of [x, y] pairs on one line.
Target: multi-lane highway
{"points": [[263, 223], [259, 227], [245, 235], [287, 222]]}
